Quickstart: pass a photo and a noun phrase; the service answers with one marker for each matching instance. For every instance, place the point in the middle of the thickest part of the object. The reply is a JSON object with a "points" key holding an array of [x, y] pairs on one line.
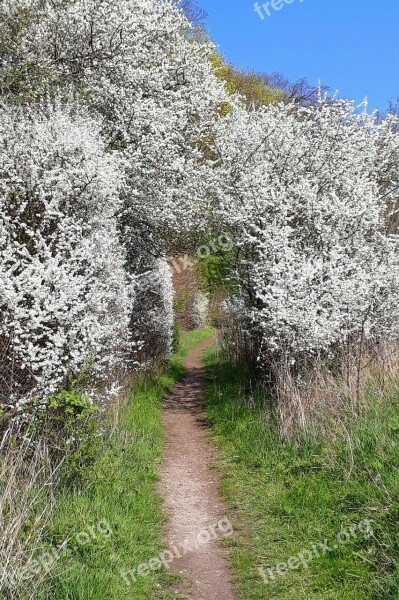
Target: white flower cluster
{"points": [[200, 310], [154, 86], [133, 146], [90, 186], [306, 194], [64, 295]]}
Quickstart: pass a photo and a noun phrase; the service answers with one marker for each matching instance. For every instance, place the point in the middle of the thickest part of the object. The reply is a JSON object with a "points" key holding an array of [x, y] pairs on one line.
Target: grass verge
{"points": [[288, 496], [114, 522]]}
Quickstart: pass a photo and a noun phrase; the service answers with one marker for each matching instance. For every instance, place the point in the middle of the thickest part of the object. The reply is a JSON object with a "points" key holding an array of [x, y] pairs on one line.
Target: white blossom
{"points": [[302, 192], [65, 297]]}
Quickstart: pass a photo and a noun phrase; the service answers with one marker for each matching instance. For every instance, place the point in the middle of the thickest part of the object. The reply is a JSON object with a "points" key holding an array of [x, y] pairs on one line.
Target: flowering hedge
{"points": [[65, 293], [308, 193], [117, 135], [91, 187]]}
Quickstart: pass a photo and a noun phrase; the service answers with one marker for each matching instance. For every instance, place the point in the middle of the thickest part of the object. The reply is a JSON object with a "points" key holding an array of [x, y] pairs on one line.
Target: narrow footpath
{"points": [[190, 488]]}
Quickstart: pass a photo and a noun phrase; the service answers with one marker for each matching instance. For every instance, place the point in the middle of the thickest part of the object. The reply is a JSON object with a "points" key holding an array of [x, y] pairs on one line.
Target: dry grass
{"points": [[326, 401], [322, 397], [27, 496], [236, 346], [186, 289]]}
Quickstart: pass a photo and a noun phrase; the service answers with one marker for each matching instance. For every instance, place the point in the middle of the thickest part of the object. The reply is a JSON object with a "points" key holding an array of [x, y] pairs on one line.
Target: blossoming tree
{"points": [[65, 295], [305, 193]]}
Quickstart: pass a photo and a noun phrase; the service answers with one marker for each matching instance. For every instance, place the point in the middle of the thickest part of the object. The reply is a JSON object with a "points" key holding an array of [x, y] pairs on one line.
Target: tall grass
{"points": [[291, 492], [326, 398], [28, 483], [320, 396], [120, 491]]}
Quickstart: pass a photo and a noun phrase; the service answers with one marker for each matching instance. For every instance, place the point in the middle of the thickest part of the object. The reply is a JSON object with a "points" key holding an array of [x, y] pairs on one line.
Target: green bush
{"points": [[71, 426]]}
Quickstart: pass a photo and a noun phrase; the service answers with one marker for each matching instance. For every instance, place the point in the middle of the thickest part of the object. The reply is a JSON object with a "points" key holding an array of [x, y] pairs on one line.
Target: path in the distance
{"points": [[190, 488]]}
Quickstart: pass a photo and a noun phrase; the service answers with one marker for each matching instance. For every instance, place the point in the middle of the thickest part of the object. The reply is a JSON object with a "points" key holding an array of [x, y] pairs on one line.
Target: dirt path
{"points": [[190, 488]]}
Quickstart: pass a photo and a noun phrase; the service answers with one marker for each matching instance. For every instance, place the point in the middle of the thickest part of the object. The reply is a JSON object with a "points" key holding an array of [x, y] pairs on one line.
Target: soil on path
{"points": [[190, 488]]}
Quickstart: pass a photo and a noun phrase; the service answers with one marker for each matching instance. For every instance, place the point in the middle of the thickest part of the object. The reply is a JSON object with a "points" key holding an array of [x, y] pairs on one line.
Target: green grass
{"points": [[286, 496], [121, 490]]}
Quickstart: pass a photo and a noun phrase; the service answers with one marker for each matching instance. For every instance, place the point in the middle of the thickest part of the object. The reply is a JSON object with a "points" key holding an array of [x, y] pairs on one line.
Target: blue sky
{"points": [[350, 45]]}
